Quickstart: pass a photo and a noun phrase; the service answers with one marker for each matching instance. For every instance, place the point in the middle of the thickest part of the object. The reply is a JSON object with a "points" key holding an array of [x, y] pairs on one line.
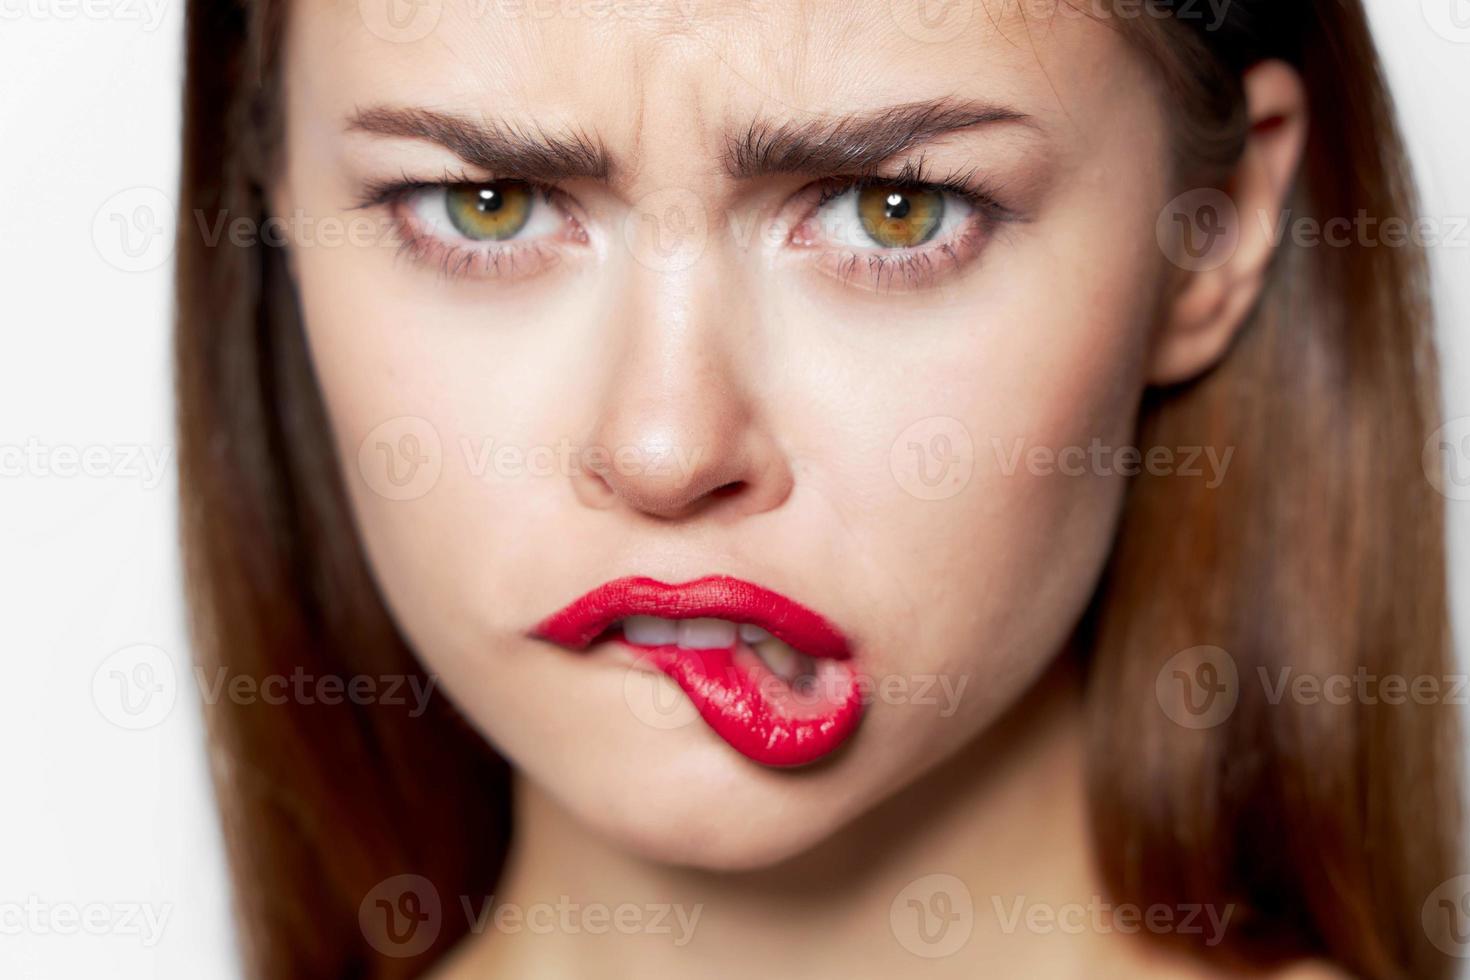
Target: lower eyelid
{"points": [[455, 261], [883, 269]]}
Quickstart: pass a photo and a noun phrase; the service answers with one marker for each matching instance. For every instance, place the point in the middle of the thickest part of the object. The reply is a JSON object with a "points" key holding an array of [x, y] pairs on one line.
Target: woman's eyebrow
{"points": [[857, 143], [821, 145], [495, 147]]}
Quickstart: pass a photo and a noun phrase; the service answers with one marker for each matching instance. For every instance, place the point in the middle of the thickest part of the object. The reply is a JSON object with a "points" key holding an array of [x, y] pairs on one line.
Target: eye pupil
{"points": [[896, 206], [488, 200]]}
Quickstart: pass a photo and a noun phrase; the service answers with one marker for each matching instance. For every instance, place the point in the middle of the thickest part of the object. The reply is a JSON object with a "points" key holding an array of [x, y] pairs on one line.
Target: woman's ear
{"points": [[1224, 241]]}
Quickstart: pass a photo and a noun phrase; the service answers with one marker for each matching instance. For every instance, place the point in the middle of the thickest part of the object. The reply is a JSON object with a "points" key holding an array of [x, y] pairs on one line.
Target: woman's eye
{"points": [[501, 211], [891, 216]]}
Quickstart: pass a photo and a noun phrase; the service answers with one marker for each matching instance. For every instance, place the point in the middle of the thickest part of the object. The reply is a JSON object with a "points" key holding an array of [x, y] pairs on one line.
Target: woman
{"points": [[846, 489]]}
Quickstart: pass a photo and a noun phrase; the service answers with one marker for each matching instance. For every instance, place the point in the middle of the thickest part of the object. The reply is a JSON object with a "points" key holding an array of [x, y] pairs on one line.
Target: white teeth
{"points": [[650, 631], [719, 634], [706, 634], [753, 634], [779, 657], [784, 661]]}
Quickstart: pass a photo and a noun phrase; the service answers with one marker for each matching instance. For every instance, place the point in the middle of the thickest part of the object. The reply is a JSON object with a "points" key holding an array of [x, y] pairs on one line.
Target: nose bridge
{"points": [[676, 423], [675, 428], [669, 389]]}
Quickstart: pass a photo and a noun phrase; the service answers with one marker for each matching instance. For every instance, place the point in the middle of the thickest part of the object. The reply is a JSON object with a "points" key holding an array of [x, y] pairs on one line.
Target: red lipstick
{"points": [[757, 712]]}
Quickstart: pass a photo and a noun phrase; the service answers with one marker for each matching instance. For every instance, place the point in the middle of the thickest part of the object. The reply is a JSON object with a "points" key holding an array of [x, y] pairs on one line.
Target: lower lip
{"points": [[758, 714]]}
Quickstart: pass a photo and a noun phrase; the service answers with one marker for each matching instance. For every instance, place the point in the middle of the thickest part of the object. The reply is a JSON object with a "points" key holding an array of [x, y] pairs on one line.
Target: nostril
{"points": [[728, 489]]}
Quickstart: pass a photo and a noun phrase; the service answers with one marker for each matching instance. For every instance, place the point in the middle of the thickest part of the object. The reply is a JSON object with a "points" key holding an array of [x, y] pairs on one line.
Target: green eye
{"points": [[489, 212], [900, 217]]}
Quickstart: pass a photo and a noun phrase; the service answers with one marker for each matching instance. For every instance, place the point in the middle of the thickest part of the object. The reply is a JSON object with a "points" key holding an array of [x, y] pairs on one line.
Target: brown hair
{"points": [[1326, 826]]}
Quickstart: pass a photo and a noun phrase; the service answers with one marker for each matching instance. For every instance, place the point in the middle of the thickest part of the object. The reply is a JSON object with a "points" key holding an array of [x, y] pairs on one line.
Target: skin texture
{"points": [[780, 398]]}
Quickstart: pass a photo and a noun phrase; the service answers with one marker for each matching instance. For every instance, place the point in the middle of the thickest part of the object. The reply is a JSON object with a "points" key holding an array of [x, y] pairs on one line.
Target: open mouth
{"points": [[769, 676]]}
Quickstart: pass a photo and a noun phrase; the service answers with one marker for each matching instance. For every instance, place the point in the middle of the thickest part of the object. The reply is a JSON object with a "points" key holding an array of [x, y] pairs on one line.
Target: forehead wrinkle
{"points": [[643, 87], [729, 66], [669, 124], [634, 154]]}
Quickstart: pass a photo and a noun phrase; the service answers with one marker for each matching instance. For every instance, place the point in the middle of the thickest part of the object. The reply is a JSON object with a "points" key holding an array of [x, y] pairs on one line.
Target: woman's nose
{"points": [[679, 430]]}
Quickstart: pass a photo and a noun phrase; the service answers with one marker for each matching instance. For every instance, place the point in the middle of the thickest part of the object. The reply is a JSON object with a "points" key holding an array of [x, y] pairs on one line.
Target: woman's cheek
{"points": [[988, 492]]}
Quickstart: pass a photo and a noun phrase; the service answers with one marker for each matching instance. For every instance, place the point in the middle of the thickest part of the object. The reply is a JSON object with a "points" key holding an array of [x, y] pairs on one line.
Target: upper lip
{"points": [[587, 617]]}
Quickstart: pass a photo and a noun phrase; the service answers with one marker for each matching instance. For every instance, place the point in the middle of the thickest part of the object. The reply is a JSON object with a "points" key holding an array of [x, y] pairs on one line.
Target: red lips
{"points": [[736, 695]]}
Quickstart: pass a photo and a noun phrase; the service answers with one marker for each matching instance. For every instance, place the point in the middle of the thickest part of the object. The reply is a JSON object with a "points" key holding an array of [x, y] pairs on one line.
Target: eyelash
{"points": [[914, 267]]}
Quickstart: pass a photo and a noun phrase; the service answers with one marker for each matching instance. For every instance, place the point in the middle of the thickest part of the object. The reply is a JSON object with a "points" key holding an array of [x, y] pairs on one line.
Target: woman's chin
{"points": [[700, 806], [717, 838]]}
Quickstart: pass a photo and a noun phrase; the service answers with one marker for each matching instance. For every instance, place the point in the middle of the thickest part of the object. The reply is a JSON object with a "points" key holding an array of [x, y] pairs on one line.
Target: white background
{"points": [[112, 820]]}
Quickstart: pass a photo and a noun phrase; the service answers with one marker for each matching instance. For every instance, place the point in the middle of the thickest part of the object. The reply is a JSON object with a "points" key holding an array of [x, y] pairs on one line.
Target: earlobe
{"points": [[1224, 239]]}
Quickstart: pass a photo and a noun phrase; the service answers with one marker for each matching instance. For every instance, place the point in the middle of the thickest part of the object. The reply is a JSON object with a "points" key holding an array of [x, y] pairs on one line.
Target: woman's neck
{"points": [[1000, 829]]}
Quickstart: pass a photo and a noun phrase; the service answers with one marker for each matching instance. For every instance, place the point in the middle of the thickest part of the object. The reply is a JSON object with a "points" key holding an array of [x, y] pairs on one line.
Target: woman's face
{"points": [[693, 344]]}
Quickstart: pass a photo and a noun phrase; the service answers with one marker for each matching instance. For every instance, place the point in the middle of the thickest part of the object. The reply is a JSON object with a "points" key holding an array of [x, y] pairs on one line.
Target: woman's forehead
{"points": [[704, 69]]}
